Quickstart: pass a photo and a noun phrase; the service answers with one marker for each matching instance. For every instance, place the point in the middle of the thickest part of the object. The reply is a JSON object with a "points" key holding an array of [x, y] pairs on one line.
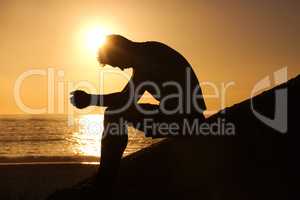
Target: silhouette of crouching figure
{"points": [[152, 62]]}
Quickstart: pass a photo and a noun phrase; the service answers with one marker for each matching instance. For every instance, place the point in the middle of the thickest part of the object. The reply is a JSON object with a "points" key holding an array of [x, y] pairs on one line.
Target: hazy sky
{"points": [[240, 41]]}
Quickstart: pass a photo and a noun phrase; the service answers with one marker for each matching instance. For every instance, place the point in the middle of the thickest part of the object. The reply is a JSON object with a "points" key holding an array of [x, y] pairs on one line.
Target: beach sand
{"points": [[38, 180]]}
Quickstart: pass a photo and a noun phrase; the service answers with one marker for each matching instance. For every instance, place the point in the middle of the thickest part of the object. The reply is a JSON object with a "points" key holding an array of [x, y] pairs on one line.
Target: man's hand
{"points": [[80, 99]]}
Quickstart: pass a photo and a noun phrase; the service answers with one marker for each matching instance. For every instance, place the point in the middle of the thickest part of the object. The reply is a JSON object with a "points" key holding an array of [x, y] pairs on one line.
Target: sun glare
{"points": [[95, 38], [88, 135]]}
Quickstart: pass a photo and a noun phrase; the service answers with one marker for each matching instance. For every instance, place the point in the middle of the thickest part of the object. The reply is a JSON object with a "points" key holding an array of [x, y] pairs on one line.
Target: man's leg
{"points": [[157, 124], [113, 143]]}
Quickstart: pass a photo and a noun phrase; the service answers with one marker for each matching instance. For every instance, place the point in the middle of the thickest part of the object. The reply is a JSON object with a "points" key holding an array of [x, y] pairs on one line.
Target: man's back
{"points": [[164, 72]]}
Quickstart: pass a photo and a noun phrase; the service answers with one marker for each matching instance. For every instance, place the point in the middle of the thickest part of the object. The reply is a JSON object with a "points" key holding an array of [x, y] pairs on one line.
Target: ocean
{"points": [[52, 138]]}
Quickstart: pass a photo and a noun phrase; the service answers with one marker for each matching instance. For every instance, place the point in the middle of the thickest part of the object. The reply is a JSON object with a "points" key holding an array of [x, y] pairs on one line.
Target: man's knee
{"points": [[110, 116], [115, 126]]}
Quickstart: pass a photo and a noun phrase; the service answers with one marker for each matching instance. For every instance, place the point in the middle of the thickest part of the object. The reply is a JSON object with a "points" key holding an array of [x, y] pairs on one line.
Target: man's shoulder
{"points": [[157, 45]]}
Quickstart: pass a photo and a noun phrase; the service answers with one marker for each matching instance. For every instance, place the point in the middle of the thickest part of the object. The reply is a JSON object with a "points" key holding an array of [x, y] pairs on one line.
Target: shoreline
{"points": [[49, 163], [48, 159]]}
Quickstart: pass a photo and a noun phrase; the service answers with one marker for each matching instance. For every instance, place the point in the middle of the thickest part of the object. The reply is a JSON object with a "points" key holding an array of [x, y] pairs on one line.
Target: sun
{"points": [[95, 37]]}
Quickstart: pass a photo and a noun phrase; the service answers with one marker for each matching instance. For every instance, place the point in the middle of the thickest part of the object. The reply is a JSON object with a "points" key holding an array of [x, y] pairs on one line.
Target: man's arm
{"points": [[113, 100], [81, 99]]}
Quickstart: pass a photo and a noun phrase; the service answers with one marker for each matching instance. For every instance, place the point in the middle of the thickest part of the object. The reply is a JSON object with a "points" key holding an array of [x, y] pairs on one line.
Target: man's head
{"points": [[117, 51]]}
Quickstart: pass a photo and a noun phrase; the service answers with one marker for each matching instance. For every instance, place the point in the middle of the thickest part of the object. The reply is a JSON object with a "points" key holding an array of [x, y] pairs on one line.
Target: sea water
{"points": [[52, 138]]}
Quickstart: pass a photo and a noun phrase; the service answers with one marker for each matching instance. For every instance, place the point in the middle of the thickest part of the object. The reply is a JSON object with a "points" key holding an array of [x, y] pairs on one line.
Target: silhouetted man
{"points": [[161, 71]]}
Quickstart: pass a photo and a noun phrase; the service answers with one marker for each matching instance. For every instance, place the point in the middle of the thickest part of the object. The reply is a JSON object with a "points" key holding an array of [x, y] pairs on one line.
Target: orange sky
{"points": [[240, 41]]}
